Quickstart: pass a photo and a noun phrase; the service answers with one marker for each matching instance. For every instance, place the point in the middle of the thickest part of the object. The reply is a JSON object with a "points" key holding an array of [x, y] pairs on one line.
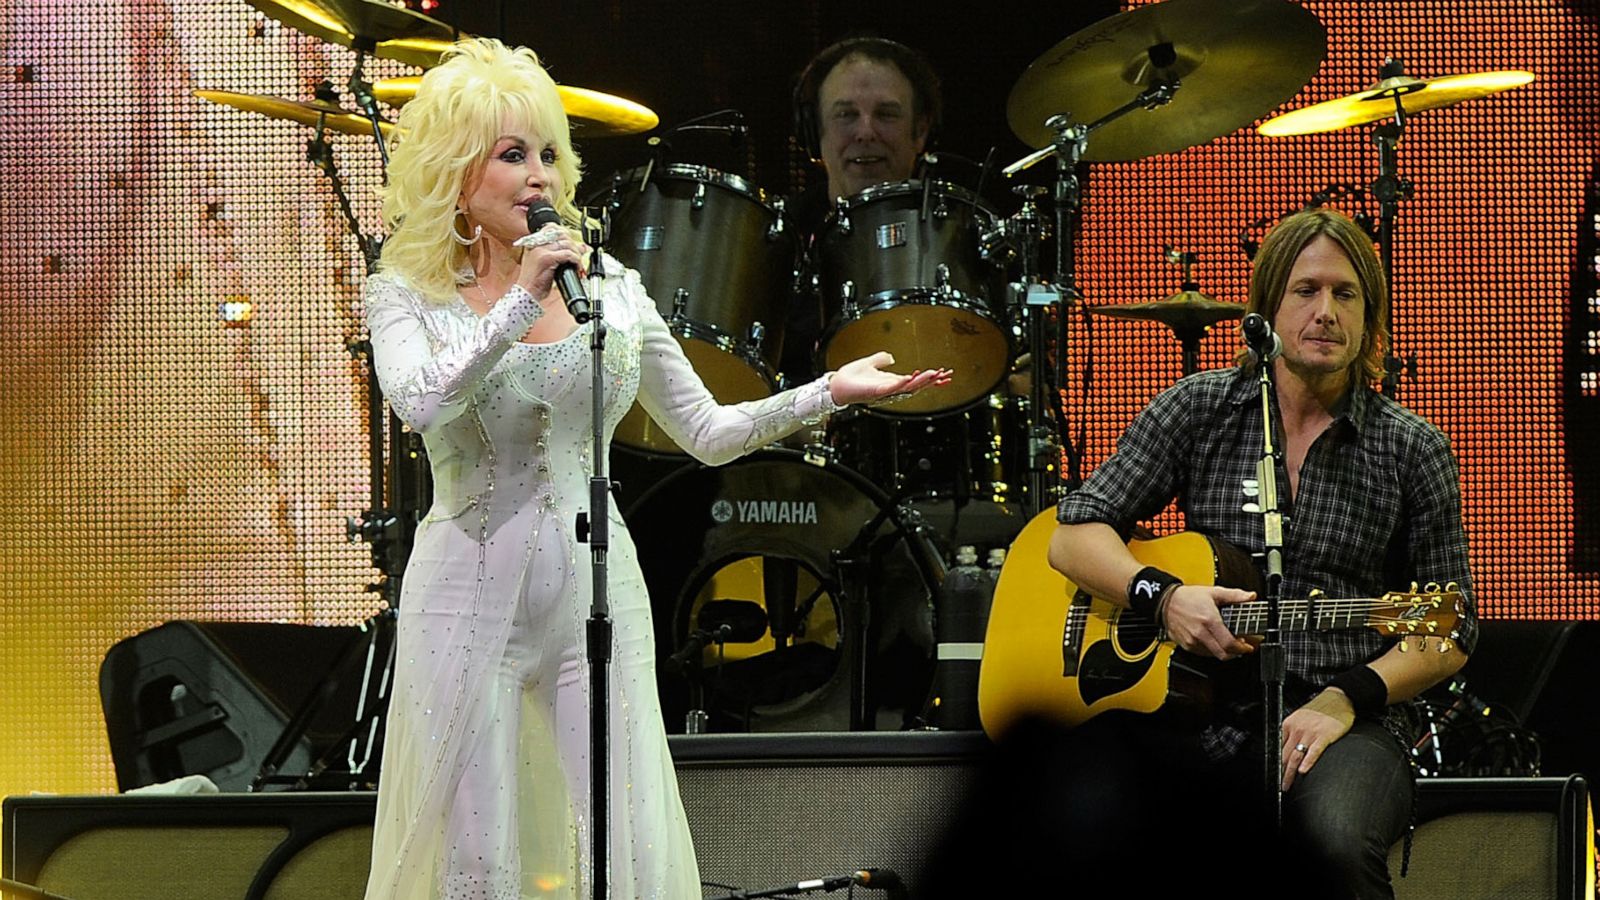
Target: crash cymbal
{"points": [[391, 32], [595, 114], [1234, 61], [1183, 311], [1378, 101], [332, 117]]}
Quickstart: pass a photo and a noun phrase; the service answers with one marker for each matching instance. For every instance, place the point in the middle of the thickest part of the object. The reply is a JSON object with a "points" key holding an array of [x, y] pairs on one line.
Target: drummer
{"points": [[865, 108]]}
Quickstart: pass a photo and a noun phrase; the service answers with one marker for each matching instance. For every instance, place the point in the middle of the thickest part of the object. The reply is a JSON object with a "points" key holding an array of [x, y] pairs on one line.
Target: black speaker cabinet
{"points": [[300, 846], [212, 698], [774, 809], [1501, 838], [765, 810]]}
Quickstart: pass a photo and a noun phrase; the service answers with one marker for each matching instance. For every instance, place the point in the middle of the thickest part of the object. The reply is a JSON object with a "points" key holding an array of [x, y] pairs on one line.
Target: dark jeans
{"points": [[1353, 806], [1129, 806]]}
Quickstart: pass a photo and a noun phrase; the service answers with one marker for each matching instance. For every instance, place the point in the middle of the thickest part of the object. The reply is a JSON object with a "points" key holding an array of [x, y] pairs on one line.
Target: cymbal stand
{"points": [[320, 152], [361, 91], [1390, 188], [1067, 147], [395, 459], [1188, 335]]}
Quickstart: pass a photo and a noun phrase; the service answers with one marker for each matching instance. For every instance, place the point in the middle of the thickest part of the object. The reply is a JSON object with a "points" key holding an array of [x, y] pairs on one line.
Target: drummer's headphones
{"points": [[913, 65]]}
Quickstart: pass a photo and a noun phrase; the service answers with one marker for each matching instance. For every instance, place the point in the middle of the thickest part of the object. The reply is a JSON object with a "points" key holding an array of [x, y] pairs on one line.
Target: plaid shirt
{"points": [[1378, 507]]}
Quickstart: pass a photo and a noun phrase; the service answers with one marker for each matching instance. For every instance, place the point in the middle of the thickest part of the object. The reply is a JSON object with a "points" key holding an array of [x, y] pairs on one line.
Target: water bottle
{"points": [[962, 614], [991, 568]]}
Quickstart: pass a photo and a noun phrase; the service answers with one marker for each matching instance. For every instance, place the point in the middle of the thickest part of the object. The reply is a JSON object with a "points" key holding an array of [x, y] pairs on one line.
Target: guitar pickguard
{"points": [[1104, 672]]}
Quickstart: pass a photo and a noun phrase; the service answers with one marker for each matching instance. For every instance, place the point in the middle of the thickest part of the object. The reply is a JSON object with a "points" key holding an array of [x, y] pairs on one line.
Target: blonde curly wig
{"points": [[445, 135]]}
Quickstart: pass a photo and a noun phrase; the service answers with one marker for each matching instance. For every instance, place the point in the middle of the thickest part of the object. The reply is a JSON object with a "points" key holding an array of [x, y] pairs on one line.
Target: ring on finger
{"points": [[1300, 748], [550, 234]]}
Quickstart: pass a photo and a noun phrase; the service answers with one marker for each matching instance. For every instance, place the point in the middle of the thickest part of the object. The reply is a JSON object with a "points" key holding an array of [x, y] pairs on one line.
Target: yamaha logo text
{"points": [[766, 512]]}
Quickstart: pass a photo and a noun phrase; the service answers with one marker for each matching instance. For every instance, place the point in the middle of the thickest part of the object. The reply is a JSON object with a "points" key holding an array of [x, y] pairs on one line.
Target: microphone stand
{"points": [[594, 529], [1272, 654]]}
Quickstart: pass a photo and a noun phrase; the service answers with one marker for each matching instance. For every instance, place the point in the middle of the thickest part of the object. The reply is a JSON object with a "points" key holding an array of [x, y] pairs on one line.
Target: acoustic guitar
{"points": [[1054, 651]]}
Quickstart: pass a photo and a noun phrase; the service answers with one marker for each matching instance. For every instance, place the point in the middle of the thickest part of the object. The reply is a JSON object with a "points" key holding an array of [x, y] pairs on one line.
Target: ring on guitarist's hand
{"points": [[1299, 748]]}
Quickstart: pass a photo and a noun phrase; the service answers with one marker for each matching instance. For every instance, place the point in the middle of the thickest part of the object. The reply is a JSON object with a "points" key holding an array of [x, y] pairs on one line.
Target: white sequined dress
{"points": [[484, 791]]}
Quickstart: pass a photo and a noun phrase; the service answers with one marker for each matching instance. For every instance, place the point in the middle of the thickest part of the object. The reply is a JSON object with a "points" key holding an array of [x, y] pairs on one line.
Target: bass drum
{"points": [[750, 543], [979, 454], [719, 262]]}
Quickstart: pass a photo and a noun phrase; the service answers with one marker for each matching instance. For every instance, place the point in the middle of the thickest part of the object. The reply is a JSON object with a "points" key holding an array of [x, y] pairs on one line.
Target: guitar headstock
{"points": [[1421, 613]]}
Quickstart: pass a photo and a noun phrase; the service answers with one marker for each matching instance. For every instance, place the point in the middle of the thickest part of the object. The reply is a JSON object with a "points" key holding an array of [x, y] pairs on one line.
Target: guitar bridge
{"points": [[1072, 633]]}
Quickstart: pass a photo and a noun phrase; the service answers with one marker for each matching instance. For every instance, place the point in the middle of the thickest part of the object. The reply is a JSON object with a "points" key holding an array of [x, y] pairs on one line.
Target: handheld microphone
{"points": [[540, 214], [1263, 342]]}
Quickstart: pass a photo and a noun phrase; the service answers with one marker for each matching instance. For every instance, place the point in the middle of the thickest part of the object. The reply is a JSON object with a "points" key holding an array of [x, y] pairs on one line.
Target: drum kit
{"points": [[822, 560]]}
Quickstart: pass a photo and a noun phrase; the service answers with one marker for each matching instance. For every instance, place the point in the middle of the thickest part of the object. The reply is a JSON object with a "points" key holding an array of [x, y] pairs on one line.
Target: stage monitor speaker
{"points": [[773, 809], [212, 698], [283, 846], [1500, 839], [764, 809]]}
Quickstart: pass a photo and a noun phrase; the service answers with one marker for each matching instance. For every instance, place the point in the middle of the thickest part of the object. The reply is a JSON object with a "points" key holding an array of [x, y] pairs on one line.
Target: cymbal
{"points": [[1183, 311], [1378, 101], [333, 118], [1235, 61], [594, 113], [390, 32]]}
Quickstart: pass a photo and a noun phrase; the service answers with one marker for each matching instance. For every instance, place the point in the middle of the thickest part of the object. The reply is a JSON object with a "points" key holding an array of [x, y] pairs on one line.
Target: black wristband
{"points": [[1146, 590], [1365, 688]]}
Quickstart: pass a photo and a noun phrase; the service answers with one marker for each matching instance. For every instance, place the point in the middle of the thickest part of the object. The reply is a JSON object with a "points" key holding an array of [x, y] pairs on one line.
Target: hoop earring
{"points": [[477, 233]]}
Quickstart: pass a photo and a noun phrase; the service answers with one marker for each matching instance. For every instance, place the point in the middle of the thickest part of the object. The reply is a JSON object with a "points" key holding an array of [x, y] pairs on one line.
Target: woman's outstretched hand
{"points": [[864, 381]]}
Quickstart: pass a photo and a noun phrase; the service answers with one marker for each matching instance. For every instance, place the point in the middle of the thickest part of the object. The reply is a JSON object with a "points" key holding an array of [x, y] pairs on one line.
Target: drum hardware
{"points": [[370, 28], [1199, 68], [1189, 313], [1207, 83], [759, 535], [851, 564], [719, 259], [1394, 95], [901, 270], [1249, 242], [661, 144], [719, 623]]}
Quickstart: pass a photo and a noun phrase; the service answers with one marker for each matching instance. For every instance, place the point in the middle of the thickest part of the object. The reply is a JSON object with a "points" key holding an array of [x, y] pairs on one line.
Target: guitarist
{"points": [[1372, 504]]}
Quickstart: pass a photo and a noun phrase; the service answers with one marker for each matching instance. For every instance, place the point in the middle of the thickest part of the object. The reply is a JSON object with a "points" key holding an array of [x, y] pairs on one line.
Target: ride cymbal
{"points": [[1378, 101], [1183, 311], [594, 113], [1232, 61], [331, 117], [390, 32]]}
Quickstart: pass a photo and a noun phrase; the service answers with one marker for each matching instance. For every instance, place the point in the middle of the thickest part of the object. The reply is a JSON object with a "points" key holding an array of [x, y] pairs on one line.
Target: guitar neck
{"points": [[1323, 614]]}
